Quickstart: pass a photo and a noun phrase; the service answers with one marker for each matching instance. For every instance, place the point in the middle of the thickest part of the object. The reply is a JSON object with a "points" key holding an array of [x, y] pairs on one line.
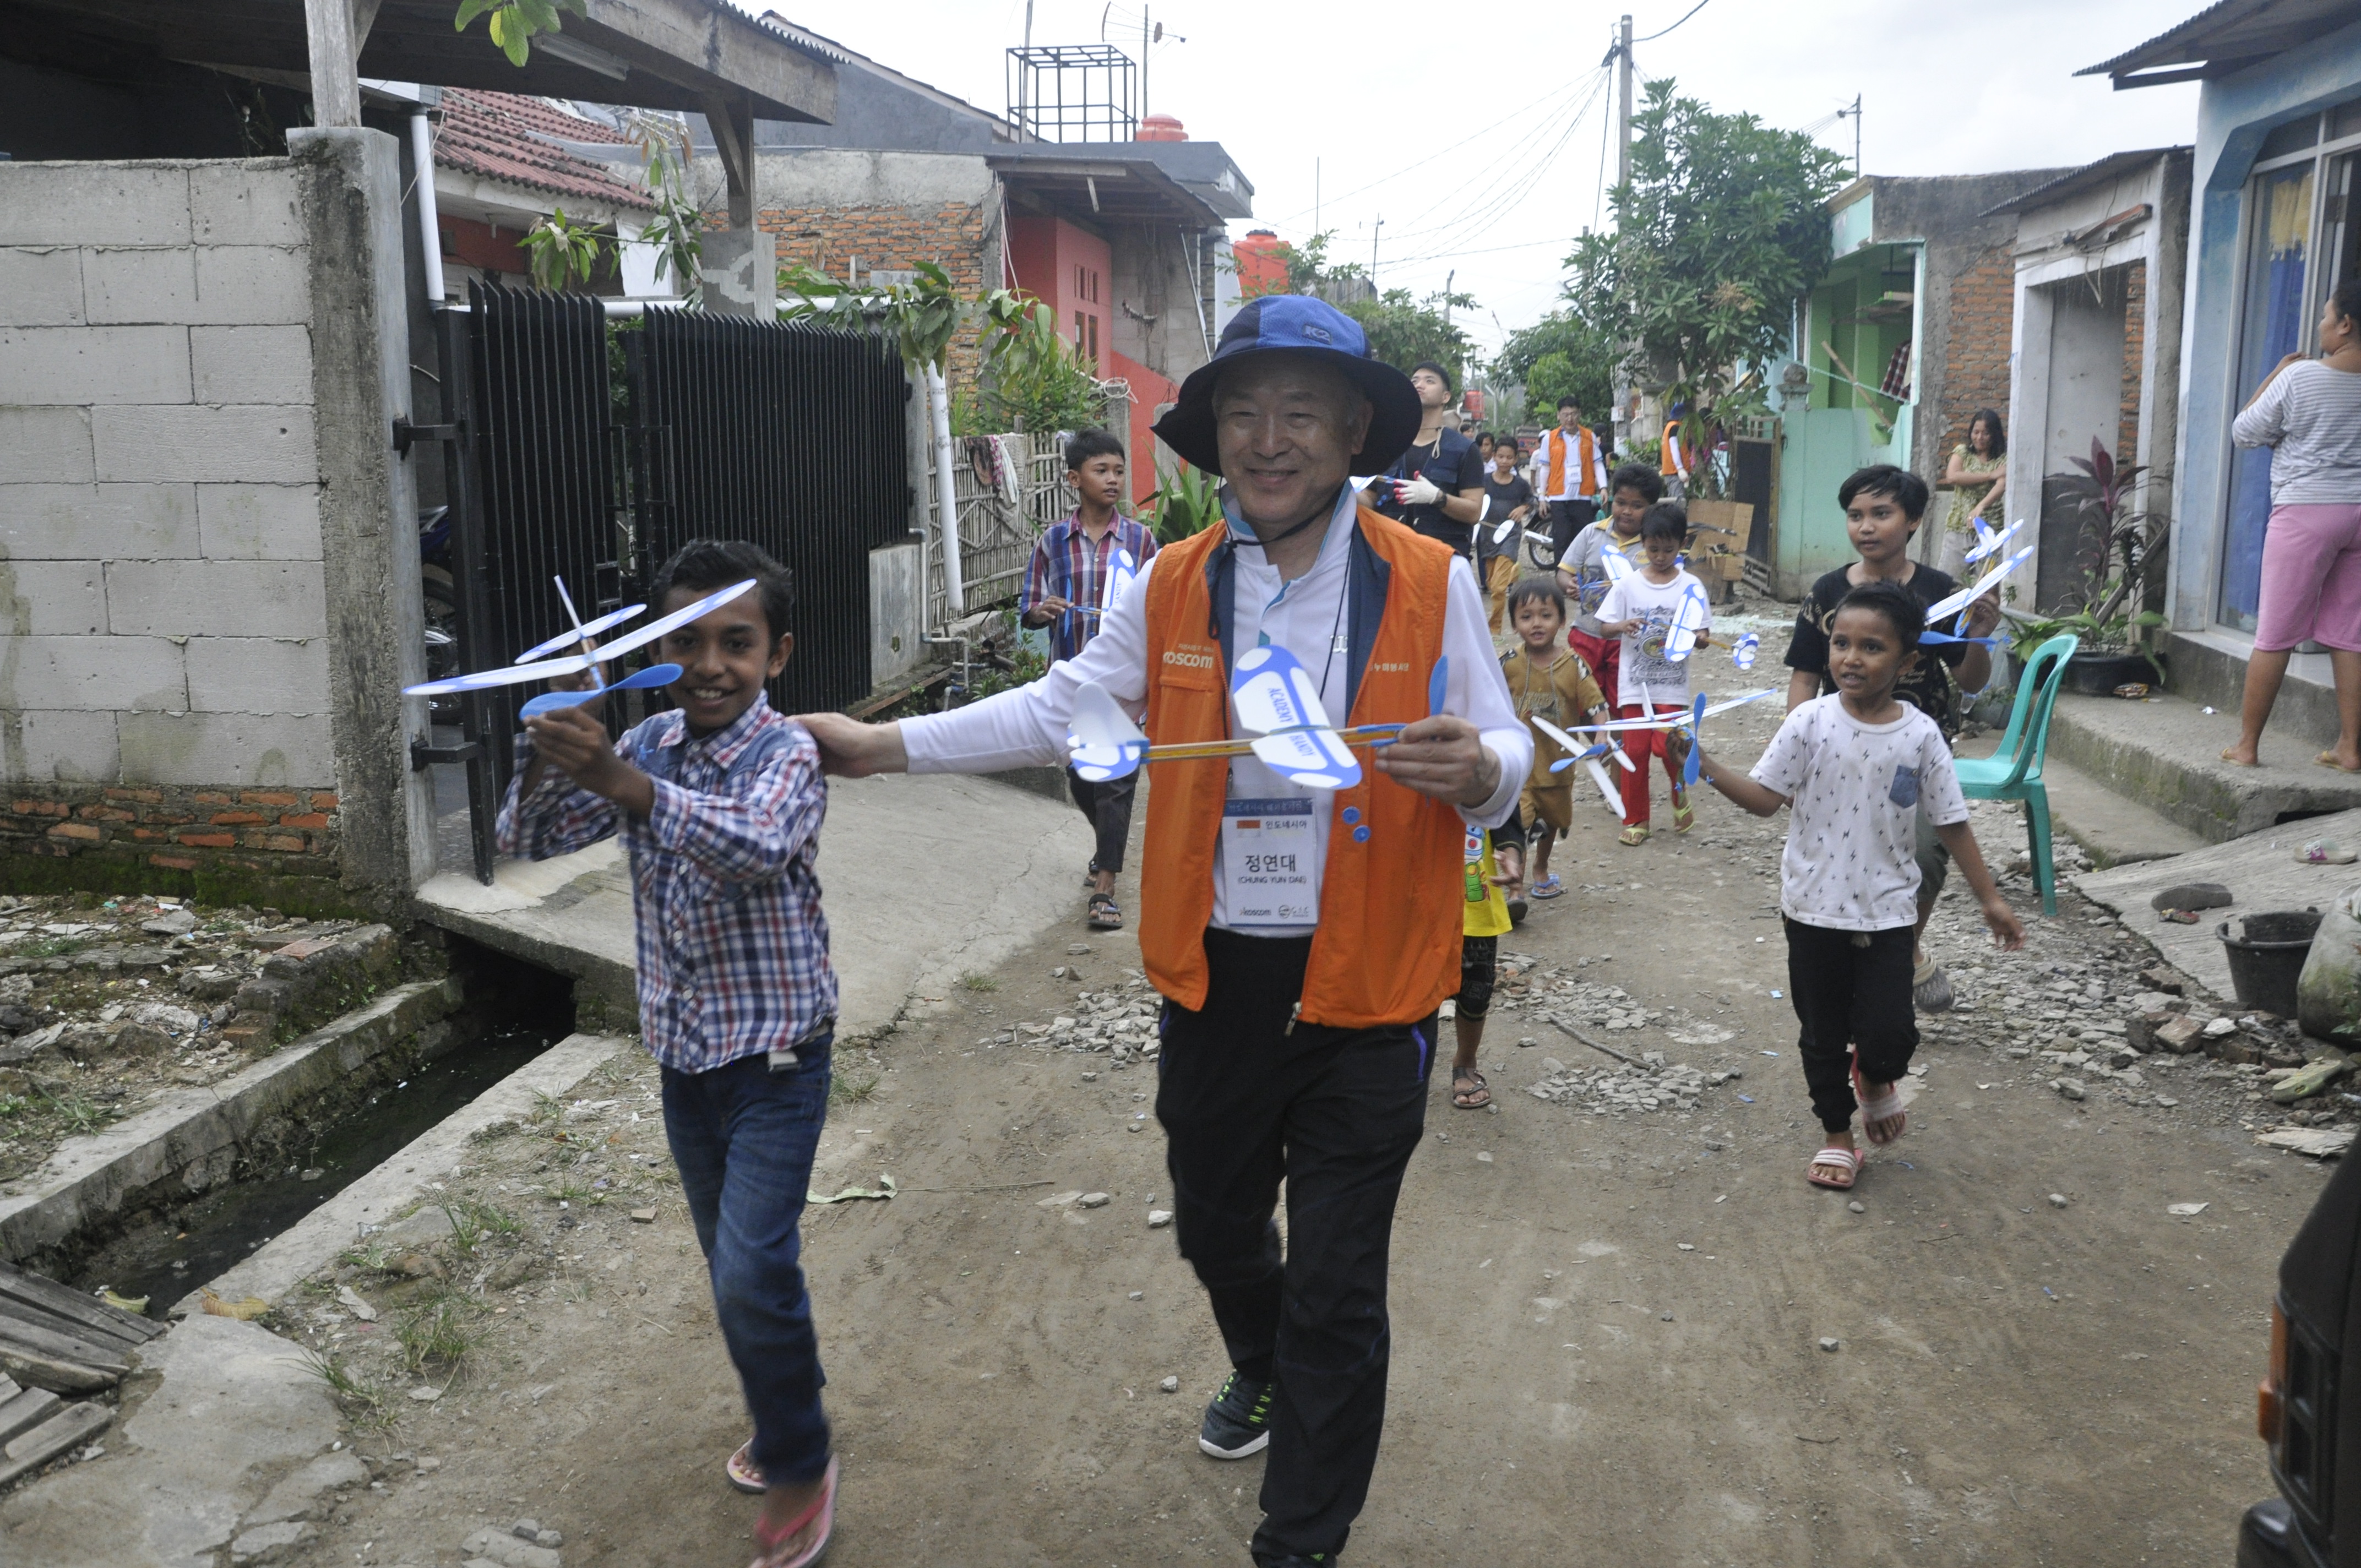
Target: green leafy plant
{"points": [[2118, 545], [514, 22], [361, 1396], [1035, 381], [678, 229], [561, 251], [1187, 503], [1404, 329], [441, 1332], [1561, 355], [1718, 231], [976, 980]]}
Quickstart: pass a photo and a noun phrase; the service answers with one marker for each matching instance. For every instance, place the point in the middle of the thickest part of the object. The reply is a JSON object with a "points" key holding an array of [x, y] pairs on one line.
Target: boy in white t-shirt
{"points": [[1855, 766], [1640, 610]]}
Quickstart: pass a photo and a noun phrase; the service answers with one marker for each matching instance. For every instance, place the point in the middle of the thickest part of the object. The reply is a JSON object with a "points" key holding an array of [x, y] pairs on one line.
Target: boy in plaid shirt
{"points": [[719, 803], [1065, 586]]}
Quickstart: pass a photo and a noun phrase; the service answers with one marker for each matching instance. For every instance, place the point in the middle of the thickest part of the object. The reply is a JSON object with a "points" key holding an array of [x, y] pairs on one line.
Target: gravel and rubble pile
{"points": [[1651, 1083], [105, 1002], [1118, 1021]]}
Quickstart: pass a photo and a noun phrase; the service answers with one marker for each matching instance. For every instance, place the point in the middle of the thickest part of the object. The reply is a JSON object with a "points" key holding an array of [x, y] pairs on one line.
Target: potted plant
{"points": [[2119, 549]]}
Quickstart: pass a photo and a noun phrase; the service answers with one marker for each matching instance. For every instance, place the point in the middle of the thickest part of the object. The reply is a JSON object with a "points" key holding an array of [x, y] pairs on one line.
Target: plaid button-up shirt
{"points": [[733, 946], [1066, 564]]}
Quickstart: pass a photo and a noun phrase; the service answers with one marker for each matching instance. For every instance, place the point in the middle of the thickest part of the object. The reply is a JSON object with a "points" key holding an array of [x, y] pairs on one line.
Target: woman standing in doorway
{"points": [[2309, 412], [1978, 475]]}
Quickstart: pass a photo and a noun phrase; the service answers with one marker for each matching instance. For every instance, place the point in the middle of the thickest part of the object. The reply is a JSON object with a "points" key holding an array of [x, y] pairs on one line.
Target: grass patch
{"points": [[358, 1395], [846, 1090], [440, 1332], [78, 1113], [473, 1222], [575, 1192], [52, 948], [976, 980]]}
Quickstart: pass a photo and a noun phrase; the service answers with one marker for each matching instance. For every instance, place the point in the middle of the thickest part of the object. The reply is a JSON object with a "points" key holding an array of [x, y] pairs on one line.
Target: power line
{"points": [[1430, 158], [1692, 10], [1482, 203]]}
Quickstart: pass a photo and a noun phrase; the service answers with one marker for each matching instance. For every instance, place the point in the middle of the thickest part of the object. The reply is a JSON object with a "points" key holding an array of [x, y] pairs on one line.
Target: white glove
{"points": [[1417, 492]]}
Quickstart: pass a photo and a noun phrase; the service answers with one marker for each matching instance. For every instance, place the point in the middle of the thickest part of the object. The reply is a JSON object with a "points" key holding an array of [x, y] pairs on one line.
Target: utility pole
{"points": [[1143, 65], [335, 81], [1854, 113], [1373, 252], [1448, 278], [1623, 104]]}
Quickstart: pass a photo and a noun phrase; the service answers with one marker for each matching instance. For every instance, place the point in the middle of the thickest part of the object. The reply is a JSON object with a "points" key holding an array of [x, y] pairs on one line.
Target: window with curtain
{"points": [[2274, 325]]}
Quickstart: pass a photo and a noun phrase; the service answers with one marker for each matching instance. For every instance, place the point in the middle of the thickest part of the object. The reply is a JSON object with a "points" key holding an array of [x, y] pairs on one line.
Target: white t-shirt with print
{"points": [[1850, 862], [1643, 668]]}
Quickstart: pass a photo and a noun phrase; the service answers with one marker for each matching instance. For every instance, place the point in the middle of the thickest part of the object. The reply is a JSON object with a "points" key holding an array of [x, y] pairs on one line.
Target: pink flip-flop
{"points": [[1878, 1108], [1849, 1159], [823, 1508]]}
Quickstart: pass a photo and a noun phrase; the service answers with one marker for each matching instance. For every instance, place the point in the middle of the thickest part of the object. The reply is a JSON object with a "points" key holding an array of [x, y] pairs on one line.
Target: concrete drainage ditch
{"points": [[317, 1140]]}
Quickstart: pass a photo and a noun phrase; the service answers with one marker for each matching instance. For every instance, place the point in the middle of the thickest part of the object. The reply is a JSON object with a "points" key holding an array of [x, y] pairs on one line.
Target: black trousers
{"points": [[1245, 1101], [1108, 805], [1851, 988], [1568, 519]]}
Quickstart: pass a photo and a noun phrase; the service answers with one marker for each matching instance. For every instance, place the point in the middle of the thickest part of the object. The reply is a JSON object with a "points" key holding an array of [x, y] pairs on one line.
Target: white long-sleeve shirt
{"points": [[1306, 617]]}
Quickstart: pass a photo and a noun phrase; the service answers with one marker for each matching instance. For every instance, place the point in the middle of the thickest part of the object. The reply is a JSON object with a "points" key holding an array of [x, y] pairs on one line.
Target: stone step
{"points": [[2164, 754]]}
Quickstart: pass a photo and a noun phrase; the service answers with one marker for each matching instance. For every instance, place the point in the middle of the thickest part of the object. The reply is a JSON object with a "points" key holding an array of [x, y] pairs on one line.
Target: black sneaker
{"points": [[1239, 1420]]}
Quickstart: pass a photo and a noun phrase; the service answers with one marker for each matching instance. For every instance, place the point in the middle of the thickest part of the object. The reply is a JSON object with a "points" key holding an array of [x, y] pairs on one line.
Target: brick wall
{"points": [[1975, 360], [164, 670], [951, 235]]}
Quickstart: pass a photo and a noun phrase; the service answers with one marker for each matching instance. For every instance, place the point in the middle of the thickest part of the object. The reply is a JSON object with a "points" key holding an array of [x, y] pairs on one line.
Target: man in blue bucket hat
{"points": [[1303, 938]]}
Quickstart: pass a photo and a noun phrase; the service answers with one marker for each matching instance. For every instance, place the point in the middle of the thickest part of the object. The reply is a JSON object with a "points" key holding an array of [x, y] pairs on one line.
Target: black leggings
{"points": [[1851, 988], [1108, 805]]}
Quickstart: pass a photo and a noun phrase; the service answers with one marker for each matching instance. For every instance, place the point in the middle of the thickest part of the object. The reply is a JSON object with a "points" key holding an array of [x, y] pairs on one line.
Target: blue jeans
{"points": [[743, 1137]]}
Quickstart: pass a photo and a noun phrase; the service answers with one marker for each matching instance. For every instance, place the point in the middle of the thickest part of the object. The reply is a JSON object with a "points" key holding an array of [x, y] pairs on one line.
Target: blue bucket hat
{"points": [[1296, 323]]}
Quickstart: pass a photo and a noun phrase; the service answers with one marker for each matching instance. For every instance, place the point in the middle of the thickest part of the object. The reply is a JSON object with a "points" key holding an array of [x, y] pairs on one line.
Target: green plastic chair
{"points": [[2013, 771]]}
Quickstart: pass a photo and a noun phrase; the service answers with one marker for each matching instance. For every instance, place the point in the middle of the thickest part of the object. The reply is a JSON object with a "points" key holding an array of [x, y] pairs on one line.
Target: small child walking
{"points": [[1552, 683], [1856, 766], [1495, 865], [720, 802], [1639, 610]]}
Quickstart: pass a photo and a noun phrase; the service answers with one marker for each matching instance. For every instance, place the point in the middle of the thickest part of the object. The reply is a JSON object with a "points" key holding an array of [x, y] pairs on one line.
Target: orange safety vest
{"points": [[1674, 461], [1387, 948], [1585, 450]]}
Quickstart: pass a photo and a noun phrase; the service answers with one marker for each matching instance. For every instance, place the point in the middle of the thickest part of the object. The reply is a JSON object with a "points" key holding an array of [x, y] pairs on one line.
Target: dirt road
{"points": [[1608, 1327]]}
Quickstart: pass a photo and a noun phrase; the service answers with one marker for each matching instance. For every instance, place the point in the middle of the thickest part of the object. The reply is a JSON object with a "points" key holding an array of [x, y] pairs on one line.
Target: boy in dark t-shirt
{"points": [[1884, 506], [1508, 498]]}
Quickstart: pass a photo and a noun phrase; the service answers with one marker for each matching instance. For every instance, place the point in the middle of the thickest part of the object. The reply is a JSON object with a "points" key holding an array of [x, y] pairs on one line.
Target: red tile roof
{"points": [[507, 137]]}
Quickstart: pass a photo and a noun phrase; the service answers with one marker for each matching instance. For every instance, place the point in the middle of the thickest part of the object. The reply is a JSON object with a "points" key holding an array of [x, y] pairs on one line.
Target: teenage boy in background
{"points": [[1883, 508], [1508, 498], [1438, 484], [1064, 587], [1569, 475]]}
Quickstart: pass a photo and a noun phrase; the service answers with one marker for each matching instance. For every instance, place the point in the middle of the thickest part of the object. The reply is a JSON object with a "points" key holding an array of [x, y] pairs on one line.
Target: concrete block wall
{"points": [[203, 529], [160, 592]]}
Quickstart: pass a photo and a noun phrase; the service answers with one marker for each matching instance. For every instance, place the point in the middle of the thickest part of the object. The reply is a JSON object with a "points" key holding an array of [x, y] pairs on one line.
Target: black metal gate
{"points": [[790, 438], [562, 461]]}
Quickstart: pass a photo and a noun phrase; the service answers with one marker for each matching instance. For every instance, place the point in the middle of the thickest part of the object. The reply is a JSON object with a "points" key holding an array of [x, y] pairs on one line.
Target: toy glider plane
{"points": [[524, 673], [1276, 703]]}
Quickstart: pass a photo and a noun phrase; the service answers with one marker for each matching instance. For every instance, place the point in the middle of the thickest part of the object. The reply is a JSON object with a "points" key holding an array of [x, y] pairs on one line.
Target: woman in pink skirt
{"points": [[2309, 412]]}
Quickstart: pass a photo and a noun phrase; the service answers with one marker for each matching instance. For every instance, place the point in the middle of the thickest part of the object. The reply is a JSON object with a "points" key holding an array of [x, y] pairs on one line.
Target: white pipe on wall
{"points": [[946, 492], [430, 217]]}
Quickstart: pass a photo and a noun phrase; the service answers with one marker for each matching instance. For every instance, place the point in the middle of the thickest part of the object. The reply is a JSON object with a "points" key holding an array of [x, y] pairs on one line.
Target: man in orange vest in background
{"points": [[1298, 1030], [1569, 473], [1673, 462]]}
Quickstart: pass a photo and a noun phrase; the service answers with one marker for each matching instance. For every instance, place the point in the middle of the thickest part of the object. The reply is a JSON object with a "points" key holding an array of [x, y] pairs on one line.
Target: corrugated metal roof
{"points": [[506, 136], [2233, 32], [2092, 174]]}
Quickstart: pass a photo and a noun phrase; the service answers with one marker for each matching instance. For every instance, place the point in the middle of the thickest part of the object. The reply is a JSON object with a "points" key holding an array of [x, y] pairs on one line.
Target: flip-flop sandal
{"points": [[1878, 1108], [741, 1469], [1683, 814], [1549, 886], [1633, 835], [1832, 1155], [2328, 760], [2233, 759], [1466, 1098], [823, 1508], [1105, 914], [1930, 989]]}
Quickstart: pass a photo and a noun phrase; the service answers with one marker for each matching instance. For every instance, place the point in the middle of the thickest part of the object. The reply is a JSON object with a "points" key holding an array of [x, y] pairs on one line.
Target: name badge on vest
{"points": [[1270, 853]]}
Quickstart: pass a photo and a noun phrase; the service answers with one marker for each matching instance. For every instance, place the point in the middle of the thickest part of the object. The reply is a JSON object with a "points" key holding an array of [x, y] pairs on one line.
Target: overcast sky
{"points": [[1373, 92]]}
